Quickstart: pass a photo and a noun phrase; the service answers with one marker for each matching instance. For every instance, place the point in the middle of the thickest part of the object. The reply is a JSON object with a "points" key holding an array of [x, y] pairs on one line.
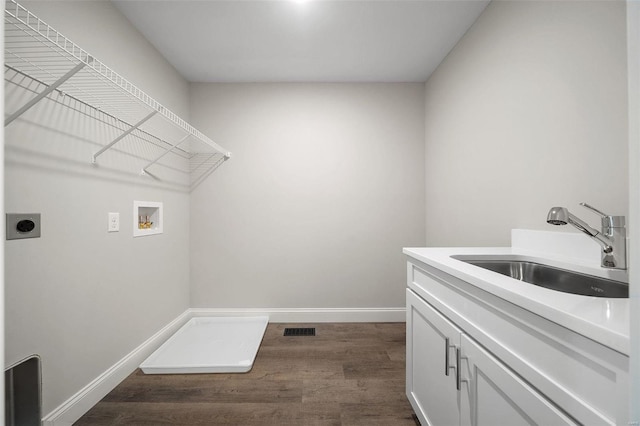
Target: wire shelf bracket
{"points": [[122, 136], [158, 158], [43, 94]]}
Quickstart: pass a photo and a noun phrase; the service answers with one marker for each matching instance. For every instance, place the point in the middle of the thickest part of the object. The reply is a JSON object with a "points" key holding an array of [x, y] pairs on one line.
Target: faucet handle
{"points": [[593, 209], [608, 221]]}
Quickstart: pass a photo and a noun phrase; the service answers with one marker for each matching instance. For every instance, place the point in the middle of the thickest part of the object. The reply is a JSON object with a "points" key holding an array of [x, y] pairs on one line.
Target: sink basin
{"points": [[555, 278]]}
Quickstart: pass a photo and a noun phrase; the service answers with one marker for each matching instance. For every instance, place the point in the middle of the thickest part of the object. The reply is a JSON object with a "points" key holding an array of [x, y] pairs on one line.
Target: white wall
{"points": [[527, 112], [633, 39], [79, 297], [325, 187], [327, 183]]}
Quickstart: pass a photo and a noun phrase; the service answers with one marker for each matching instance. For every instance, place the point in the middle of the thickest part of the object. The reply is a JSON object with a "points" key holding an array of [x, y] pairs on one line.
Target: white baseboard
{"points": [[76, 406], [310, 314]]}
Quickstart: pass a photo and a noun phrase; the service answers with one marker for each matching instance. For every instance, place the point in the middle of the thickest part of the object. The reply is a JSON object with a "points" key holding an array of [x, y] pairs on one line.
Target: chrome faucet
{"points": [[612, 237]]}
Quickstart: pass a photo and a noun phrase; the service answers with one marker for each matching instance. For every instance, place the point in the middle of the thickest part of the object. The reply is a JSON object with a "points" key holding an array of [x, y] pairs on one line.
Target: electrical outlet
{"points": [[114, 222], [26, 225]]}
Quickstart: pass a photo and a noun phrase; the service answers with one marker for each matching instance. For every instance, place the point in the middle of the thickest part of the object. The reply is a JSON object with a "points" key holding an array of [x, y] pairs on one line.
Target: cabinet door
{"points": [[493, 395], [431, 383]]}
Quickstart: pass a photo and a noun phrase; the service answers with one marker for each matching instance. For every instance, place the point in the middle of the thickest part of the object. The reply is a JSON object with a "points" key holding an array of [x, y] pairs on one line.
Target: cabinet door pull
{"points": [[458, 365], [447, 346], [459, 379], [446, 356]]}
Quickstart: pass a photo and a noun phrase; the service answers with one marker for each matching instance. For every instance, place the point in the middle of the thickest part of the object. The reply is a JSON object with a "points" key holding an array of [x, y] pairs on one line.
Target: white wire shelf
{"points": [[45, 67]]}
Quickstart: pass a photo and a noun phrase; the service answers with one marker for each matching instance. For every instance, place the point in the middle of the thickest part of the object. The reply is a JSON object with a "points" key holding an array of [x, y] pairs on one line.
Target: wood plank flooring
{"points": [[347, 375]]}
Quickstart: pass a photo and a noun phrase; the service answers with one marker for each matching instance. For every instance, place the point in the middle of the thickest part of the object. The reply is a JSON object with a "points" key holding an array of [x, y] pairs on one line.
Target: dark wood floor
{"points": [[348, 374]]}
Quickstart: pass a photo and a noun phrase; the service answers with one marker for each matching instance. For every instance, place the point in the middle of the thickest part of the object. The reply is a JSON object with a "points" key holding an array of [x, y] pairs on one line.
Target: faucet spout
{"points": [[603, 240], [612, 237]]}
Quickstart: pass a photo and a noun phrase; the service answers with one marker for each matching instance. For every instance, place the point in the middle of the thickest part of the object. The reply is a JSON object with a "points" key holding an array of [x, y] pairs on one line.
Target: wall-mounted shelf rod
{"points": [[44, 93], [100, 115], [122, 136], [106, 99]]}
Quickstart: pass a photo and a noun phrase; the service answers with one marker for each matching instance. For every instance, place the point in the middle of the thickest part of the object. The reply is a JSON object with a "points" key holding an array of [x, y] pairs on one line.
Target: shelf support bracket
{"points": [[174, 146], [43, 94], [122, 136]]}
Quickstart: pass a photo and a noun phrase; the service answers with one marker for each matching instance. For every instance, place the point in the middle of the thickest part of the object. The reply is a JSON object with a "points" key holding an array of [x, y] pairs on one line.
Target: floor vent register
{"points": [[299, 331]]}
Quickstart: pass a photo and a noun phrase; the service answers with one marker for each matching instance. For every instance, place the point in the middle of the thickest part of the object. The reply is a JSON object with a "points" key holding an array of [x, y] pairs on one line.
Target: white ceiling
{"points": [[310, 41]]}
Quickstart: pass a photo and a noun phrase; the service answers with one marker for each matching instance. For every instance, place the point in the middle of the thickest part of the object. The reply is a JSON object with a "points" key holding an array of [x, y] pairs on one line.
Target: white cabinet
{"points": [[505, 365], [451, 380], [431, 368]]}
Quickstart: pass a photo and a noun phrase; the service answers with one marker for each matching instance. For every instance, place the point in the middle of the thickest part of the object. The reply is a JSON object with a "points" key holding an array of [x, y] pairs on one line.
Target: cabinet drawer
{"points": [[586, 379]]}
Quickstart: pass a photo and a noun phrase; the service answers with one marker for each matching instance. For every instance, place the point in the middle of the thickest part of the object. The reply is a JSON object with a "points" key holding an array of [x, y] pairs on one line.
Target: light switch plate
{"points": [[114, 222]]}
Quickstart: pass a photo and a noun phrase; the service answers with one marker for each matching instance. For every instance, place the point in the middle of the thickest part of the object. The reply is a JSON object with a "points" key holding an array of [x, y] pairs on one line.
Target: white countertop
{"points": [[605, 320]]}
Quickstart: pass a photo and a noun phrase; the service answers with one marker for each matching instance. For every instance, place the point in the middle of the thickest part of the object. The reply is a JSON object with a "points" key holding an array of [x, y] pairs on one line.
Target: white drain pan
{"points": [[209, 345]]}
